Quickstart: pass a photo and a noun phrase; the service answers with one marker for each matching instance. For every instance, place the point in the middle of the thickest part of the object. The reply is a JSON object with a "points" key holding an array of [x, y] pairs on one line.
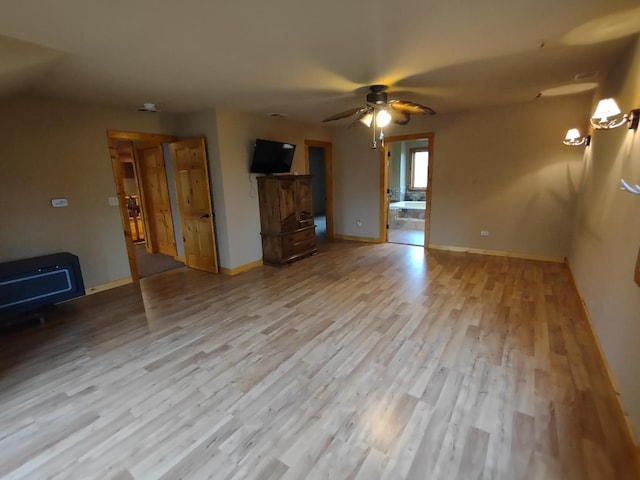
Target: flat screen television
{"points": [[272, 157]]}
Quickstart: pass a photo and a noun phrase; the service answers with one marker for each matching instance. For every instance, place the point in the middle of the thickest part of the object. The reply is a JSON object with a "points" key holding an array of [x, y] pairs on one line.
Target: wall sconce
{"points": [[629, 188], [607, 116], [574, 139]]}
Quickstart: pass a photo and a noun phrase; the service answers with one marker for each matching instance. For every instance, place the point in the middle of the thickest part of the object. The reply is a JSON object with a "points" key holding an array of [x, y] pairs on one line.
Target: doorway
{"points": [[165, 202], [407, 172], [151, 206], [319, 164]]}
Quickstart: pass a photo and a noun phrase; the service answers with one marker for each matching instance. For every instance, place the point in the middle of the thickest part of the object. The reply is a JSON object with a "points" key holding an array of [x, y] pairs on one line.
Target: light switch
{"points": [[113, 201], [59, 202]]}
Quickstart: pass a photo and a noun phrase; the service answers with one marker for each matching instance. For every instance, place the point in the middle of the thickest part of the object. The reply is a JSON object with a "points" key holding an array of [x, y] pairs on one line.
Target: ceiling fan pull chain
{"points": [[373, 130]]}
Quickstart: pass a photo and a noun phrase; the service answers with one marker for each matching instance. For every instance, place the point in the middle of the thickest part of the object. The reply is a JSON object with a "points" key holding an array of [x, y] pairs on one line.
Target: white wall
{"points": [[501, 169], [607, 238], [52, 148]]}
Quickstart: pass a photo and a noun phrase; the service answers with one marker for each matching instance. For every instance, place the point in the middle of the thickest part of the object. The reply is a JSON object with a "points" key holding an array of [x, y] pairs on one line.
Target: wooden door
{"points": [[156, 208], [194, 203]]}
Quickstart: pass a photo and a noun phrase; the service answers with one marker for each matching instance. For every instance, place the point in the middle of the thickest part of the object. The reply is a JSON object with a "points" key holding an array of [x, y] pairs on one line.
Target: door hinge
{"points": [[387, 226]]}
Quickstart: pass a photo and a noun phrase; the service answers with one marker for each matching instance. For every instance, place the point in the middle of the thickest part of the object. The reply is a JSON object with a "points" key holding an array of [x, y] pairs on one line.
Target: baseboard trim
{"points": [[350, 238], [241, 268], [499, 253], [108, 286], [625, 419]]}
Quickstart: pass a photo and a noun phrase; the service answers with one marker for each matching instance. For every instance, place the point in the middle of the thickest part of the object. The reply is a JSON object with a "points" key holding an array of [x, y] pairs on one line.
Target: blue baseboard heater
{"points": [[32, 283]]}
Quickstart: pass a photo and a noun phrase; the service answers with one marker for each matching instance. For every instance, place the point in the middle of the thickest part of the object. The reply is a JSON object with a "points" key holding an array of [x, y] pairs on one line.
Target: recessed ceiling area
{"points": [[305, 60]]}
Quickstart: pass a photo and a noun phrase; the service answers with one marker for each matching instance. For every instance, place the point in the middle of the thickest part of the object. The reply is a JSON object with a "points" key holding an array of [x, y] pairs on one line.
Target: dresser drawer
{"points": [[300, 236], [306, 222], [299, 248], [298, 243]]}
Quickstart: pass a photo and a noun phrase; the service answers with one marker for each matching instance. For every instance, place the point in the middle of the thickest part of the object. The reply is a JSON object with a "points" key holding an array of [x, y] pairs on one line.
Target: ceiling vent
{"points": [[586, 75], [148, 107]]}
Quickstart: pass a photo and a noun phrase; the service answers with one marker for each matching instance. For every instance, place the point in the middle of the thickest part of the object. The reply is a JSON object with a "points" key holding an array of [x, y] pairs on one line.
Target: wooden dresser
{"points": [[286, 218]]}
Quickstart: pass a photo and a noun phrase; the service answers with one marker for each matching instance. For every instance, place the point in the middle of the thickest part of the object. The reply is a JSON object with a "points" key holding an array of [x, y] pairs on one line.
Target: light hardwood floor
{"points": [[362, 362]]}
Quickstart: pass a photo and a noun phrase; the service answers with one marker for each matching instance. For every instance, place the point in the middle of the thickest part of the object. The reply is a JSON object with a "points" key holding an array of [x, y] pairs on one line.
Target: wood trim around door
{"points": [[113, 137], [141, 137], [384, 179], [328, 173]]}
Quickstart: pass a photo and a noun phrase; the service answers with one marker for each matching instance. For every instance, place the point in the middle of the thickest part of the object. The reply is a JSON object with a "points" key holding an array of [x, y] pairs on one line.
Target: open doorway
{"points": [[407, 181], [151, 206], [165, 202], [319, 164]]}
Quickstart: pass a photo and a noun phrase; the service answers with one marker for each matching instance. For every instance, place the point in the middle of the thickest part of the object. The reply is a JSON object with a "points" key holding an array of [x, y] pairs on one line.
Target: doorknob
{"points": [[206, 215]]}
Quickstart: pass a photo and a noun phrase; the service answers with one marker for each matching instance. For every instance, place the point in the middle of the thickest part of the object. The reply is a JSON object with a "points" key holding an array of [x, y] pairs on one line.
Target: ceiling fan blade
{"points": [[398, 117], [345, 114], [411, 108]]}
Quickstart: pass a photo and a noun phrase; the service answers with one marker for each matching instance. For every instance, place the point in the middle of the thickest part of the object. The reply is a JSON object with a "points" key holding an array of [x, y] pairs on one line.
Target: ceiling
{"points": [[307, 60]]}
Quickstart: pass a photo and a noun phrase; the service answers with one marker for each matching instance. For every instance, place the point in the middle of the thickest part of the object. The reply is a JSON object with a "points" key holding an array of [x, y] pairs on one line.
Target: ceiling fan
{"points": [[379, 111]]}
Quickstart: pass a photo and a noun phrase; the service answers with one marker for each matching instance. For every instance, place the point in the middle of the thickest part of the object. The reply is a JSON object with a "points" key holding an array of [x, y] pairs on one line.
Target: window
{"points": [[419, 173]]}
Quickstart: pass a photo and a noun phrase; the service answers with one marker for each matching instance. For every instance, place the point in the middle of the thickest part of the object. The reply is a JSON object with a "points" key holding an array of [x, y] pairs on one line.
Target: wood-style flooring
{"points": [[407, 237], [362, 362]]}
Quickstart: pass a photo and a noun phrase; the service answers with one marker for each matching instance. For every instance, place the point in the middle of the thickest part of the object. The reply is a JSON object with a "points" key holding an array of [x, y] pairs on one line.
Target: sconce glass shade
{"points": [[383, 118], [601, 118], [367, 119], [574, 138]]}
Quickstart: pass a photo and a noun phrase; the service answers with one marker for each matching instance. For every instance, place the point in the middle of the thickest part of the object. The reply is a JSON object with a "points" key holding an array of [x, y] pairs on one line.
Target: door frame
{"points": [[114, 136], [384, 184], [328, 174]]}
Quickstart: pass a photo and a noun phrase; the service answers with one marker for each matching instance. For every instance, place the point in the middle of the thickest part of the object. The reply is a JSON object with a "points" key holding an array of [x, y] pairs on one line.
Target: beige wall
{"points": [[607, 238], [231, 135], [501, 169], [51, 149], [205, 124]]}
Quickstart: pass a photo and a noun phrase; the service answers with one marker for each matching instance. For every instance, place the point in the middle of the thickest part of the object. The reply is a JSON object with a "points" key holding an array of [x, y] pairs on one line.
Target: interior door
{"points": [[155, 197], [194, 202]]}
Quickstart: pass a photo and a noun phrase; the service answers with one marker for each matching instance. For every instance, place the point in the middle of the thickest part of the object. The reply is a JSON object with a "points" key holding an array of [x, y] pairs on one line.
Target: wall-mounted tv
{"points": [[272, 157]]}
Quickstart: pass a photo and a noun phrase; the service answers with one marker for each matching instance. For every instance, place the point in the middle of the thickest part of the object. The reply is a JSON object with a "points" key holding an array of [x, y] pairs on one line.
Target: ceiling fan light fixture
{"points": [[367, 119], [383, 118]]}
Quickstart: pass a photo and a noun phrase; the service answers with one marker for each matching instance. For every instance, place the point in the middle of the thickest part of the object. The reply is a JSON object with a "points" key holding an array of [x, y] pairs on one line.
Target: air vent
{"points": [[586, 75], [148, 107], [278, 115]]}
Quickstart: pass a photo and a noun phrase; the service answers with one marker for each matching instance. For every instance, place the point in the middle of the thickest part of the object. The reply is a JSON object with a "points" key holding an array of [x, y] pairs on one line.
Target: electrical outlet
{"points": [[113, 201], [484, 233]]}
